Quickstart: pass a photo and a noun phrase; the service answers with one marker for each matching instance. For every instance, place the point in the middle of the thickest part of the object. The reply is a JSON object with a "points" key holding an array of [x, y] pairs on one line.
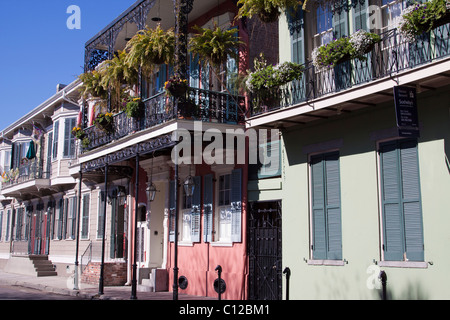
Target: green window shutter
{"points": [[411, 201], [391, 201], [359, 13], [402, 212], [55, 139], [172, 211], [195, 211], [236, 205], [208, 208], [326, 207], [101, 214], [318, 209], [85, 218], [333, 207], [113, 237], [296, 28], [194, 70], [69, 139], [272, 169]]}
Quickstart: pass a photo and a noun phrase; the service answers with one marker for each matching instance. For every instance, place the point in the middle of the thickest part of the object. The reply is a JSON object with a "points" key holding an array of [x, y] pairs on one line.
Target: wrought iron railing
{"points": [[86, 257], [388, 57], [199, 104], [25, 172]]}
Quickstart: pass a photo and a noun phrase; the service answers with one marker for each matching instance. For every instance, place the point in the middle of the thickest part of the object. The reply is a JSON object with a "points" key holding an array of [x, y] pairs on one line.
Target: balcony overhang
{"points": [[35, 188], [428, 77], [145, 142]]}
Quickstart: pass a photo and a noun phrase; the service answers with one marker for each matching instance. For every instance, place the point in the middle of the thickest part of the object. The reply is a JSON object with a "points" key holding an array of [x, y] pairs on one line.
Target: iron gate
{"points": [[264, 240]]}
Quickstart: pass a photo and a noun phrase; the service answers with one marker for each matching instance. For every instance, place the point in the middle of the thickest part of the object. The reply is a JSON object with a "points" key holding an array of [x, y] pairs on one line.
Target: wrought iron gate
{"points": [[264, 241]]}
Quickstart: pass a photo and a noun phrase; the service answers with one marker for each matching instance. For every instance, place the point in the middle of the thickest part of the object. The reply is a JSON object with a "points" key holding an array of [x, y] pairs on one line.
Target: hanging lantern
{"points": [[151, 192], [189, 186]]}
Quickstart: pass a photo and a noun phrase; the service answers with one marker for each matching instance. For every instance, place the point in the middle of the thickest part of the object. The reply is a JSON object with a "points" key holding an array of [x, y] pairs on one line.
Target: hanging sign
{"points": [[405, 99]]}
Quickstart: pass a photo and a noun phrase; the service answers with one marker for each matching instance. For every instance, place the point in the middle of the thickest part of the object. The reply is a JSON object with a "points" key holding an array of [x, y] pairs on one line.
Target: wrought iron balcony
{"points": [[26, 172], [388, 57], [200, 105]]}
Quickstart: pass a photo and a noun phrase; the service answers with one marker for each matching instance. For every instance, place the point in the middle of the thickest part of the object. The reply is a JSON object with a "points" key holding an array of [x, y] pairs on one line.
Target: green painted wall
{"points": [[357, 134]]}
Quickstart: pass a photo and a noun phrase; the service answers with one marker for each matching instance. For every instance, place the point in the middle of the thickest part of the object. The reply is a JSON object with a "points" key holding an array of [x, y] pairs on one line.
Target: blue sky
{"points": [[38, 51]]}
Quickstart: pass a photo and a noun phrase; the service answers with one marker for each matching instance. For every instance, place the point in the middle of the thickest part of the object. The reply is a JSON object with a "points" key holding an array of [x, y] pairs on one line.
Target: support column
{"points": [[136, 207], [182, 10], [76, 278], [102, 266]]}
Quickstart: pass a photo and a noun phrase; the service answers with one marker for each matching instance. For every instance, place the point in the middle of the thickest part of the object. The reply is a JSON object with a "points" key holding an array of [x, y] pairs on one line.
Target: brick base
{"points": [[115, 274]]}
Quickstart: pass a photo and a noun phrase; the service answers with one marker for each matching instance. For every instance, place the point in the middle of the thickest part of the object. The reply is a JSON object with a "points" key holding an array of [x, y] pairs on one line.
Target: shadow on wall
{"points": [[413, 291]]}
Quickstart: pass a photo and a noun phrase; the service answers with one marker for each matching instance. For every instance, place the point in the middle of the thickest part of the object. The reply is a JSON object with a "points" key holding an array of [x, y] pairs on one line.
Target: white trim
{"points": [[404, 264], [313, 262]]}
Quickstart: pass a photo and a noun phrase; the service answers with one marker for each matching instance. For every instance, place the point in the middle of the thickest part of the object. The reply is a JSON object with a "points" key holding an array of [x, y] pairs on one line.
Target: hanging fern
{"points": [[150, 47], [215, 45]]}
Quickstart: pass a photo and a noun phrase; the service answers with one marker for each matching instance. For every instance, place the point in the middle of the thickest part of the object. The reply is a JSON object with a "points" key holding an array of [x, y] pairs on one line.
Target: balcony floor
{"points": [[425, 78]]}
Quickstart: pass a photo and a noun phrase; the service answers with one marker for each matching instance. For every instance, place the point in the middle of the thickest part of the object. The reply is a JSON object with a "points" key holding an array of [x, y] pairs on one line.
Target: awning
{"points": [[31, 154]]}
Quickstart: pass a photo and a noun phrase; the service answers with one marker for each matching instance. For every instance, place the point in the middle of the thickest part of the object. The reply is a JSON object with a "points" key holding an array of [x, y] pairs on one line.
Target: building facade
{"points": [[356, 195]]}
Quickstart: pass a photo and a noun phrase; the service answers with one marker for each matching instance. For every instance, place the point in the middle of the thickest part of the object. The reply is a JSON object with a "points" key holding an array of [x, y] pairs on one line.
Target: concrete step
{"points": [[42, 273]]}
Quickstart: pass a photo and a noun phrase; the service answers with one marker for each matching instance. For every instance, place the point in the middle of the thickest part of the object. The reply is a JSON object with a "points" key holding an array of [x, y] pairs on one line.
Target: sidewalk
{"points": [[64, 286]]}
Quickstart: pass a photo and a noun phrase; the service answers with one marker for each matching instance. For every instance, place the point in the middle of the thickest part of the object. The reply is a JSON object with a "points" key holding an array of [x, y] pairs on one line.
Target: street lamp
{"points": [[189, 186]]}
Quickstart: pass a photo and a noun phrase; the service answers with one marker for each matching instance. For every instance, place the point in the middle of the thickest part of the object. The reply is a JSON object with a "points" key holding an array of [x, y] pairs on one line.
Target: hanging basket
{"points": [[269, 16], [442, 21]]}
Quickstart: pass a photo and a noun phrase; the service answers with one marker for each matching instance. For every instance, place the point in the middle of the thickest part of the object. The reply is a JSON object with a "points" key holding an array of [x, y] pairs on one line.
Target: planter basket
{"points": [[137, 112], [269, 16], [177, 90], [442, 21], [104, 125]]}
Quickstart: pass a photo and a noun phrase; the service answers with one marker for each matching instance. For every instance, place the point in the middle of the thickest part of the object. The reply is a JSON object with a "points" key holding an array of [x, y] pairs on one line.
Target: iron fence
{"points": [[388, 57]]}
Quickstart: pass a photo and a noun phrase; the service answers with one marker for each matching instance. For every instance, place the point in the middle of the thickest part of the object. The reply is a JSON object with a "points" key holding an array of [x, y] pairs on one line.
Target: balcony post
{"points": [[182, 8]]}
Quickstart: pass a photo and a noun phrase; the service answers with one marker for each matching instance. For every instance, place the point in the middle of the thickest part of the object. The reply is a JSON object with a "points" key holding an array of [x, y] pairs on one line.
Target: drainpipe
{"points": [[383, 278]]}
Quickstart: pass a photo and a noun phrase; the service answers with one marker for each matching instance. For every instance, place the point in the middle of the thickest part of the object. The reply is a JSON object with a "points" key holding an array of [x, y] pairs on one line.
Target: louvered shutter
{"points": [[208, 208], [412, 208], [195, 211], [333, 207], [85, 219], [194, 71], [318, 209], [101, 214], [326, 207], [393, 245], [236, 205], [272, 150], [172, 211]]}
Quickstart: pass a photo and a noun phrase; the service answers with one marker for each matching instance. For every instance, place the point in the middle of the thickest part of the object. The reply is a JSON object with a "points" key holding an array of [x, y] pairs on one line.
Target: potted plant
{"points": [[215, 45], [176, 87], [267, 10], [85, 142], [266, 80], [78, 133], [345, 48], [104, 122], [150, 47], [118, 76], [135, 108], [91, 86], [422, 17]]}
